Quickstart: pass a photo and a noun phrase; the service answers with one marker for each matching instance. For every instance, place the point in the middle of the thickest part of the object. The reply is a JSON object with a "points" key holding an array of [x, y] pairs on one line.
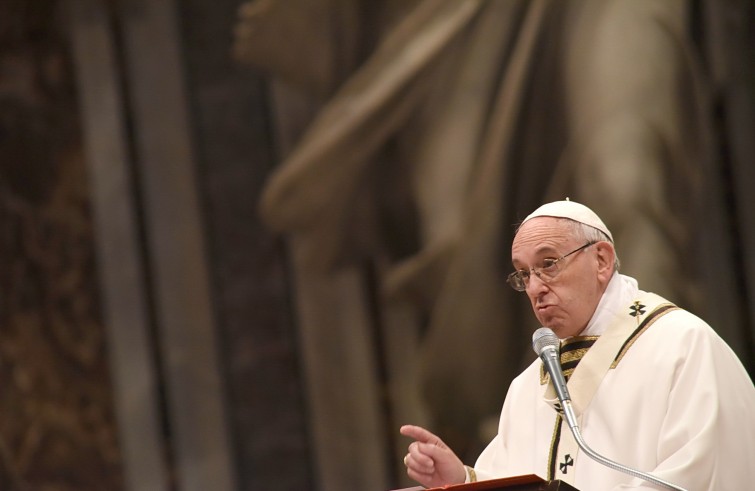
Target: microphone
{"points": [[547, 346]]}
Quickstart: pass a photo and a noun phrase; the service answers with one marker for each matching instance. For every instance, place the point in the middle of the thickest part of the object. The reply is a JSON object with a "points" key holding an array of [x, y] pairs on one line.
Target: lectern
{"points": [[518, 483]]}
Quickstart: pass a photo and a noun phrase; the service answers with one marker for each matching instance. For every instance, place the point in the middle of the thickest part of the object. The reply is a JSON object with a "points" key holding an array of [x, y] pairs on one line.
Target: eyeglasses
{"points": [[548, 271]]}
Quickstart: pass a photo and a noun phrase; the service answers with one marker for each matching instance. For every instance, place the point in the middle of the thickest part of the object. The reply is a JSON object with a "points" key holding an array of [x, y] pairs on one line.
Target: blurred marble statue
{"points": [[438, 123]]}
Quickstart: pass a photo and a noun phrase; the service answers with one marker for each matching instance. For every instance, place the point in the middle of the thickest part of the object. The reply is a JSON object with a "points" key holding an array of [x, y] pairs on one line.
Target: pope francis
{"points": [[653, 387]]}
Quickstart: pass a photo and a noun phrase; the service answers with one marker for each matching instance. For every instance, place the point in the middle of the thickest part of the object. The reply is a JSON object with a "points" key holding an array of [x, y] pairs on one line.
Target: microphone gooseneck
{"points": [[547, 346]]}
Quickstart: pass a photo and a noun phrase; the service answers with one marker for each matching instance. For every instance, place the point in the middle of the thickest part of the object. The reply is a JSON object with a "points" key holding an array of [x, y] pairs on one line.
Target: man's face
{"points": [[567, 302]]}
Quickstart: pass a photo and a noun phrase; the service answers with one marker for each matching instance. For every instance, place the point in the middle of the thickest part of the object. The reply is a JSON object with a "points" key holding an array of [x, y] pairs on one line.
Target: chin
{"points": [[558, 331]]}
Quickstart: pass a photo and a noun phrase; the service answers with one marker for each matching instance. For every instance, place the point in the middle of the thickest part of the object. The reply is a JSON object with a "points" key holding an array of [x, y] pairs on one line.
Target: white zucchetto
{"points": [[572, 210]]}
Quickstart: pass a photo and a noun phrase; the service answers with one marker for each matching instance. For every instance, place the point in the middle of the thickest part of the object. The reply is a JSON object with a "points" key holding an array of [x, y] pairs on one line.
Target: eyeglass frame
{"points": [[511, 279]]}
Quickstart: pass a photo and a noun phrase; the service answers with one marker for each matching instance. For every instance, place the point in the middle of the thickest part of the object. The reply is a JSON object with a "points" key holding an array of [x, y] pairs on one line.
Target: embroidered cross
{"points": [[567, 462], [637, 310]]}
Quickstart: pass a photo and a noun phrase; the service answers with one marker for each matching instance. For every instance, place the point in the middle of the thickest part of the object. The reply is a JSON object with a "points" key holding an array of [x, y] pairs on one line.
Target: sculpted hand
{"points": [[430, 462]]}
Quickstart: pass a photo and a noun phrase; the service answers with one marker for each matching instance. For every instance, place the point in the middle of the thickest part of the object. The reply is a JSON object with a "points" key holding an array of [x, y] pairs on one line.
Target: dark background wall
{"points": [[235, 148], [57, 429]]}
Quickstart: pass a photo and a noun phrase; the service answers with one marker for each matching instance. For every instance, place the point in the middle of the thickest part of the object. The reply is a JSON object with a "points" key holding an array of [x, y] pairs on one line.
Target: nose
{"points": [[535, 285]]}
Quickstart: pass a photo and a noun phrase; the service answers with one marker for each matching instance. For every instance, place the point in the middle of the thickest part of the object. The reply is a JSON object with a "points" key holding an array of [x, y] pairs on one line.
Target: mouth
{"points": [[545, 308]]}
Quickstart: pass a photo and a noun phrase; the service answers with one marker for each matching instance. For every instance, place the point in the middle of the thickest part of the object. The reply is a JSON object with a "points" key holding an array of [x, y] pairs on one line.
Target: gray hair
{"points": [[586, 233]]}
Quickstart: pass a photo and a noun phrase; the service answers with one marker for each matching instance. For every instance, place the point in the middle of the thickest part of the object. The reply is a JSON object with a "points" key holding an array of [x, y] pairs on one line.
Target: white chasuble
{"points": [[657, 390]]}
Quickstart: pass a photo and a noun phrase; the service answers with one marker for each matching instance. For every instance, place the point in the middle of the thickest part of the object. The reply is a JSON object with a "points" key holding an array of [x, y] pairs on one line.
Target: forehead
{"points": [[541, 235]]}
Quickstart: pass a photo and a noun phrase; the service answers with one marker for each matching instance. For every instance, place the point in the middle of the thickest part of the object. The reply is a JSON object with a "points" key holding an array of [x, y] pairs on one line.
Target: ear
{"points": [[606, 256]]}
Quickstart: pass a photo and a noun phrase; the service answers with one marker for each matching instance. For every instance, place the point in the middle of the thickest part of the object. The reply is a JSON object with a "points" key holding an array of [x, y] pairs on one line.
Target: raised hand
{"points": [[429, 461]]}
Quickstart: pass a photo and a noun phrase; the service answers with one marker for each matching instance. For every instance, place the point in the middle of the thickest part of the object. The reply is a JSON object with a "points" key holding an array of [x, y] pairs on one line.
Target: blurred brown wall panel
{"points": [[249, 266], [57, 425]]}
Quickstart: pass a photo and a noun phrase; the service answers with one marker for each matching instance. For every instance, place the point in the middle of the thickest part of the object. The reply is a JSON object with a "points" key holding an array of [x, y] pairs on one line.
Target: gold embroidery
{"points": [[566, 344], [573, 355], [571, 352]]}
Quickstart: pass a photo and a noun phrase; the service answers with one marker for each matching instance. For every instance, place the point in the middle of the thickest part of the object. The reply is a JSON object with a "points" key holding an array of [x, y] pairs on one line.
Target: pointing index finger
{"points": [[420, 434]]}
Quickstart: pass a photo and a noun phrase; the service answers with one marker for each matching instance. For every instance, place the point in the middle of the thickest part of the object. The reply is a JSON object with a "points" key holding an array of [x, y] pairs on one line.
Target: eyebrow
{"points": [[542, 250]]}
